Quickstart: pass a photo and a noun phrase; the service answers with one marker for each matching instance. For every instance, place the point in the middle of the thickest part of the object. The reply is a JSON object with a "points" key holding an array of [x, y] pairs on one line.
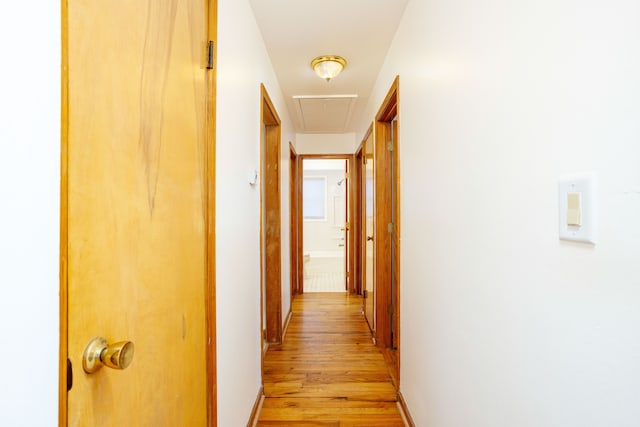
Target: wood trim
{"points": [[396, 242], [64, 217], [293, 221], [325, 156], [210, 224], [300, 228], [270, 204], [351, 212], [255, 411], [269, 113], [387, 205], [404, 410], [389, 108], [287, 321]]}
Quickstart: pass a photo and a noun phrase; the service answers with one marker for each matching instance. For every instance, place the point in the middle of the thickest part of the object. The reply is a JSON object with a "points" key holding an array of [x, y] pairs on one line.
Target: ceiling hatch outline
{"points": [[324, 113]]}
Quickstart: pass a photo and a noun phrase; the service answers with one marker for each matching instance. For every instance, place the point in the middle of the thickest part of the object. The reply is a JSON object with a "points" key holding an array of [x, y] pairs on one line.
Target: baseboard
{"points": [[286, 324], [404, 410], [257, 406]]}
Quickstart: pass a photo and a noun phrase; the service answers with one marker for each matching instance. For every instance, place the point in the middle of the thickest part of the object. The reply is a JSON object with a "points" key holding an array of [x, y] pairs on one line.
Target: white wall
{"points": [[325, 143], [29, 225], [502, 324], [242, 65]]}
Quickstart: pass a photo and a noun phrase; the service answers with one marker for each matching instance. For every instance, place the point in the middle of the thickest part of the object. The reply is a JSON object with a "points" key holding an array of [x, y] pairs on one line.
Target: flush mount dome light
{"points": [[328, 66]]}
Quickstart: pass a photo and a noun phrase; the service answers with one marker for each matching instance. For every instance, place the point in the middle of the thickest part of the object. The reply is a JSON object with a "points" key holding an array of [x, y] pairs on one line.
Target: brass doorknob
{"points": [[98, 353]]}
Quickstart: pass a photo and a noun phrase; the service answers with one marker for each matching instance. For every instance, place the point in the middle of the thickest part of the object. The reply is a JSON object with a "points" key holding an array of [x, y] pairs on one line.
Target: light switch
{"points": [[573, 209], [577, 208]]}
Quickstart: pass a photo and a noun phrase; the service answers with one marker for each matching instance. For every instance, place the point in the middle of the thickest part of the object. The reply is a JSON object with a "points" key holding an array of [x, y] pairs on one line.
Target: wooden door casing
{"points": [[270, 220], [294, 194], [387, 214]]}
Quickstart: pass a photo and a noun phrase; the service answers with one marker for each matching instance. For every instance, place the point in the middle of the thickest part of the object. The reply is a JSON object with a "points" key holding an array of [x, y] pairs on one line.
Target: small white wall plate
{"points": [[585, 185]]}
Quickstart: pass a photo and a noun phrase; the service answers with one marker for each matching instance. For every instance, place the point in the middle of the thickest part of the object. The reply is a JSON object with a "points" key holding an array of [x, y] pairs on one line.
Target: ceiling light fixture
{"points": [[328, 66]]}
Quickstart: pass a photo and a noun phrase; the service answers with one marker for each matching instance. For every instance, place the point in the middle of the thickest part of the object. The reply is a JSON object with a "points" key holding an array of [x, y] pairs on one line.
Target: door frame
{"points": [[271, 301], [387, 187], [351, 189], [357, 244], [362, 221], [210, 209], [294, 213]]}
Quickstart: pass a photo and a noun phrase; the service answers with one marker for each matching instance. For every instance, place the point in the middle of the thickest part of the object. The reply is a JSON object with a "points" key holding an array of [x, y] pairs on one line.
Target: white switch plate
{"points": [[585, 185]]}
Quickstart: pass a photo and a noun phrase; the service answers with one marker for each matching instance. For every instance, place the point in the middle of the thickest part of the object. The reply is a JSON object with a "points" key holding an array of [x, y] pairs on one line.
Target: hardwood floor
{"points": [[328, 372]]}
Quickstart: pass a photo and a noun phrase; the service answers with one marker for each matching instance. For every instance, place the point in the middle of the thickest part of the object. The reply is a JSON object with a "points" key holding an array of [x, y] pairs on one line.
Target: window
{"points": [[314, 198]]}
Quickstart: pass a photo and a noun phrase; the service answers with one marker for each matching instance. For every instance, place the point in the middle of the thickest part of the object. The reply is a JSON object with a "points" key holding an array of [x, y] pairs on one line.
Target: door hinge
{"points": [[390, 309], [364, 294], [210, 55], [347, 176], [69, 375], [390, 227], [390, 146], [347, 274]]}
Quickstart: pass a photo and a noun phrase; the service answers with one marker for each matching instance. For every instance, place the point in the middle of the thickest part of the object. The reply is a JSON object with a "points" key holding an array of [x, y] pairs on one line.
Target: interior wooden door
{"points": [[346, 228], [369, 232], [137, 203]]}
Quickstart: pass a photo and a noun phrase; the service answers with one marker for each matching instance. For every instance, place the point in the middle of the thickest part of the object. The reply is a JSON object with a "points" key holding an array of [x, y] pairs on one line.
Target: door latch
{"points": [[69, 375]]}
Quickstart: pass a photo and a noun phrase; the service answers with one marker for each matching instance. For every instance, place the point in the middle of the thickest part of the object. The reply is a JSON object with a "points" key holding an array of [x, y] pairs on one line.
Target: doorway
{"points": [[324, 210]]}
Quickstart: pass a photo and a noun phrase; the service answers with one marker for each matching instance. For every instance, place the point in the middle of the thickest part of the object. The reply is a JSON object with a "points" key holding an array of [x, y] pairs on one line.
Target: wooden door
{"points": [[136, 209], [357, 218], [345, 229], [369, 232]]}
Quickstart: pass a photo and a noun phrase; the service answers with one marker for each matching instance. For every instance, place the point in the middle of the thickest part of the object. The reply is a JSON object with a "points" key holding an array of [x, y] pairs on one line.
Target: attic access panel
{"points": [[324, 114]]}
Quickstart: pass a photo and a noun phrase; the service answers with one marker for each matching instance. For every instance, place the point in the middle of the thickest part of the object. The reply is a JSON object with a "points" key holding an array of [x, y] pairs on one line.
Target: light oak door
{"points": [[369, 233], [135, 160], [346, 229]]}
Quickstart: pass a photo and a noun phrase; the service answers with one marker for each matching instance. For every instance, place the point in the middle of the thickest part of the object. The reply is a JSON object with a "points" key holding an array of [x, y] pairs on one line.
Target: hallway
{"points": [[327, 372]]}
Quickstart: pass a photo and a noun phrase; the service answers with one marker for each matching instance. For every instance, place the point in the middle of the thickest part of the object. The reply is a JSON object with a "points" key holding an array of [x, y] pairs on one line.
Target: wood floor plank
{"points": [[328, 372]]}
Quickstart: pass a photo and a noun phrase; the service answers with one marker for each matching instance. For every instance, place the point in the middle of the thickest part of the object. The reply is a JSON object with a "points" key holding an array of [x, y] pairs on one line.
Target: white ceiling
{"points": [[296, 31]]}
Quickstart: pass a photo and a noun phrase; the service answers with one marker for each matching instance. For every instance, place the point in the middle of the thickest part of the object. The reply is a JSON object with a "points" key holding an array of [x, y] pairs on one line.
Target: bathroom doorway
{"points": [[325, 213]]}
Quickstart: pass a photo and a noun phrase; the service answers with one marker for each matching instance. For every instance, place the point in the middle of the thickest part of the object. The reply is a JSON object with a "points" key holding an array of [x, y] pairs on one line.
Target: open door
{"points": [[348, 229], [137, 256], [368, 237]]}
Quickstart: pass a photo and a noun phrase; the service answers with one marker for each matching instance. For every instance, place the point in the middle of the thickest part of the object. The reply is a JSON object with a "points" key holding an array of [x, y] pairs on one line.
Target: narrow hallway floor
{"points": [[328, 372]]}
